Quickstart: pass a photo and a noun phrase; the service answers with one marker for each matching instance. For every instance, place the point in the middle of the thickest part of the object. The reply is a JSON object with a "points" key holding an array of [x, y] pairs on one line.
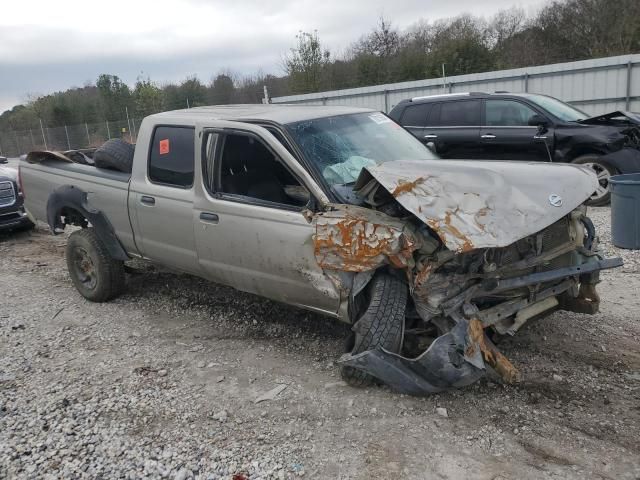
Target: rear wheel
{"points": [[381, 325], [604, 171], [94, 273]]}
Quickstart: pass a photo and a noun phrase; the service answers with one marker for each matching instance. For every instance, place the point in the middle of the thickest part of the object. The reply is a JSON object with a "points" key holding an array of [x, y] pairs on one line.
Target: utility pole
{"points": [[444, 80], [66, 132], [108, 131], [266, 98], [126, 109], [135, 132], [44, 139], [188, 103], [88, 137]]}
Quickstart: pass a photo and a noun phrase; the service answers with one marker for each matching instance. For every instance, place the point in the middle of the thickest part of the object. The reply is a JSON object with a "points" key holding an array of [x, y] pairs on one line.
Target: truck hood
{"points": [[480, 204]]}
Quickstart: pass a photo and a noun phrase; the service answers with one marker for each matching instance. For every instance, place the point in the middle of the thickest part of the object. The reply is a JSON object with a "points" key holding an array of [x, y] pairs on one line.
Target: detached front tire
{"points": [[94, 273], [381, 325], [604, 171]]}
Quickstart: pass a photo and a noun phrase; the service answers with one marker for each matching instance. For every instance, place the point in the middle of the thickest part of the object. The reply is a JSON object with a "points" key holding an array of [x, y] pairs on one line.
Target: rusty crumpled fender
{"points": [[481, 204], [456, 359], [357, 239]]}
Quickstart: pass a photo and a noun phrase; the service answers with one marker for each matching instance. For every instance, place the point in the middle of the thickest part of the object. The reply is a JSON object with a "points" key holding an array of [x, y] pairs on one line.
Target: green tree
{"points": [[148, 97], [115, 95], [305, 64], [222, 89]]}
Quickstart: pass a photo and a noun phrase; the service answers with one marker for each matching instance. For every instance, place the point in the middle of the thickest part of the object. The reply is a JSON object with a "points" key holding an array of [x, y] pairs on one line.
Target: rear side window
{"points": [[172, 156], [507, 113], [415, 115], [464, 113]]}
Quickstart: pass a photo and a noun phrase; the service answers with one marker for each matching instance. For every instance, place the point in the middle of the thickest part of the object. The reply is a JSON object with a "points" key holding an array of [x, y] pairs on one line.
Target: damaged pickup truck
{"points": [[340, 211]]}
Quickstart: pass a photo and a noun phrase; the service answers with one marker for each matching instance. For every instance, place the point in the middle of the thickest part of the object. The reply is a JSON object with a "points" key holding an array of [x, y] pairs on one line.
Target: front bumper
{"points": [[465, 353], [11, 218], [625, 160]]}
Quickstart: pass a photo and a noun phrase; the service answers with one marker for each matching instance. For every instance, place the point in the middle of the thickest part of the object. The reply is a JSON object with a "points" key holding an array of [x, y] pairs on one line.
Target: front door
{"points": [[253, 227], [506, 134]]}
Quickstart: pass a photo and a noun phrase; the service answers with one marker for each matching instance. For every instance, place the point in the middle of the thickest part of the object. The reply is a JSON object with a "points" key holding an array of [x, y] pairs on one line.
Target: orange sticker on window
{"points": [[164, 146]]}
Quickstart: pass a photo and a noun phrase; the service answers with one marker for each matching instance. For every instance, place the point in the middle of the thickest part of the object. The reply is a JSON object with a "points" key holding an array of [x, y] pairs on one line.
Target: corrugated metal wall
{"points": [[595, 86]]}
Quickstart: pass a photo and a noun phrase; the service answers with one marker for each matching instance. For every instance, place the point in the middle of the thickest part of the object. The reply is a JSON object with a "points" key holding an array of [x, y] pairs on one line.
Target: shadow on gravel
{"points": [[250, 315]]}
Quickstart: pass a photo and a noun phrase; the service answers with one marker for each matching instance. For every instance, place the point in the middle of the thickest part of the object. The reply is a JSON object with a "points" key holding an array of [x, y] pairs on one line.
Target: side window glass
{"points": [[464, 113], [415, 115], [507, 113], [248, 168], [171, 161]]}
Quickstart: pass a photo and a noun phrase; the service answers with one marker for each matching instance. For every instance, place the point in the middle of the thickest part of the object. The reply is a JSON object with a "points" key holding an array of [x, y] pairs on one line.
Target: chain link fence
{"points": [[14, 143]]}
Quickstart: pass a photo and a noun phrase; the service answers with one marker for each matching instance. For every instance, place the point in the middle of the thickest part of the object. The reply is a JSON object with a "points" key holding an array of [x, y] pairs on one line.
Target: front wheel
{"points": [[95, 274], [381, 325], [604, 172]]}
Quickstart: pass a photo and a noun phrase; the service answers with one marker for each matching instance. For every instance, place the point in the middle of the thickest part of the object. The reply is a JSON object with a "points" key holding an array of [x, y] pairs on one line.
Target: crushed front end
{"points": [[462, 289]]}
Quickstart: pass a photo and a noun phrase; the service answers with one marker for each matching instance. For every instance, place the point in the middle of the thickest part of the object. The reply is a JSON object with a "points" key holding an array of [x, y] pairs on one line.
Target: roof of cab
{"points": [[281, 113]]}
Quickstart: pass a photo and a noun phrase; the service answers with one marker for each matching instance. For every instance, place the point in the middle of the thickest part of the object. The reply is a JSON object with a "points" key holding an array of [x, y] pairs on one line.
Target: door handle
{"points": [[539, 137], [488, 136], [209, 217], [431, 136], [147, 200]]}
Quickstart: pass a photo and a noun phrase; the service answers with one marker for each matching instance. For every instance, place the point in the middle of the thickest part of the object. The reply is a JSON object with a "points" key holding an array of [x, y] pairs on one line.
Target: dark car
{"points": [[12, 213], [522, 126]]}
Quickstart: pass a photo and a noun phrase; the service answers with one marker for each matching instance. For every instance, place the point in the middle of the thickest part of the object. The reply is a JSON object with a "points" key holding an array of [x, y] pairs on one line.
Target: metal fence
{"points": [[68, 137], [595, 86]]}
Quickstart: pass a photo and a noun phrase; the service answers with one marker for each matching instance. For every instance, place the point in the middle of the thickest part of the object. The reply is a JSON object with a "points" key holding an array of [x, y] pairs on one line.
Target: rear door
{"points": [[162, 194], [454, 127], [506, 134]]}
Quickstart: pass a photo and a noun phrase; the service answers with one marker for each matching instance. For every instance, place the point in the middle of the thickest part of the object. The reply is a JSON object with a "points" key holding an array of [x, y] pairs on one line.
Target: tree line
{"points": [[563, 30]]}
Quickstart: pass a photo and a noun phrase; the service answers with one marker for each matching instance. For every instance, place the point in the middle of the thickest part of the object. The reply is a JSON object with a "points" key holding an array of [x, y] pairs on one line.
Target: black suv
{"points": [[522, 126]]}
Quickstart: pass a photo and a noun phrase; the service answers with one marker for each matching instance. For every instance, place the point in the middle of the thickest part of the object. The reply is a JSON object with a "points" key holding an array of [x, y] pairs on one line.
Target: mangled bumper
{"points": [[465, 353], [479, 249]]}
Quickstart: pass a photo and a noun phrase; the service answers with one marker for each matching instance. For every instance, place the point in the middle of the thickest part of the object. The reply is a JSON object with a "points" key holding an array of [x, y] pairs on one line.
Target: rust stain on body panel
{"points": [[406, 187], [490, 353], [354, 239]]}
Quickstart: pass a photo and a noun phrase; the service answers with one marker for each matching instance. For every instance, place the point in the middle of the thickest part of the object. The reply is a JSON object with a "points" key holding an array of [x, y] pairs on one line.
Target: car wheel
{"points": [[381, 325], [604, 171], [94, 273]]}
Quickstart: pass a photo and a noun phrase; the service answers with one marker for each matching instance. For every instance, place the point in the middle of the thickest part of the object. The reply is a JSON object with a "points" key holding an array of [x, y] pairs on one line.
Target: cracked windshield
{"points": [[343, 145]]}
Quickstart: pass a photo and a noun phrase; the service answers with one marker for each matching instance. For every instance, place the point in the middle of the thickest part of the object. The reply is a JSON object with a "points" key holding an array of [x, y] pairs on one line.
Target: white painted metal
{"points": [[596, 86]]}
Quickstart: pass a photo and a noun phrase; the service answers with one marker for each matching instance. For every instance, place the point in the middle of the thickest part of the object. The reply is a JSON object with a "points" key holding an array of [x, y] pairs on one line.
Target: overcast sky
{"points": [[47, 46]]}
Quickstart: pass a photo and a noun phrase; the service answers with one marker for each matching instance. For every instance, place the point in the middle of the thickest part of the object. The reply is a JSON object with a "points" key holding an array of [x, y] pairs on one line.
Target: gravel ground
{"points": [[181, 379]]}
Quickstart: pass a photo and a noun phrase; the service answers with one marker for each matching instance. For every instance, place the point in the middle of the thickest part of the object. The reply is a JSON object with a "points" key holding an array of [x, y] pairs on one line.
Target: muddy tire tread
{"points": [[110, 272], [384, 322]]}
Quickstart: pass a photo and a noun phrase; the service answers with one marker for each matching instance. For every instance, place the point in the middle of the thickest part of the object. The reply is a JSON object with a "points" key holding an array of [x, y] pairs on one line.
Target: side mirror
{"points": [[431, 146], [537, 121]]}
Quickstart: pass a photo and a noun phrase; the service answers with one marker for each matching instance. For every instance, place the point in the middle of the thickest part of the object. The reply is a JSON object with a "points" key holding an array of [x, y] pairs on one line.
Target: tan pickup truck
{"points": [[340, 211]]}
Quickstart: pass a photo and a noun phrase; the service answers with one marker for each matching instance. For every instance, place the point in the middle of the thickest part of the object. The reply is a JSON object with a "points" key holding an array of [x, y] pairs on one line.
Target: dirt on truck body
{"points": [[340, 211]]}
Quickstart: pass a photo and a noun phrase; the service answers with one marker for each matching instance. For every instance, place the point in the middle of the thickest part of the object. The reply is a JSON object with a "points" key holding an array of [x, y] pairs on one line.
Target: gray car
{"points": [[340, 211]]}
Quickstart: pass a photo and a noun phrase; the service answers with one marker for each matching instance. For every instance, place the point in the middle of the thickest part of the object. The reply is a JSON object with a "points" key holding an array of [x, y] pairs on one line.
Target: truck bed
{"points": [[108, 190]]}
